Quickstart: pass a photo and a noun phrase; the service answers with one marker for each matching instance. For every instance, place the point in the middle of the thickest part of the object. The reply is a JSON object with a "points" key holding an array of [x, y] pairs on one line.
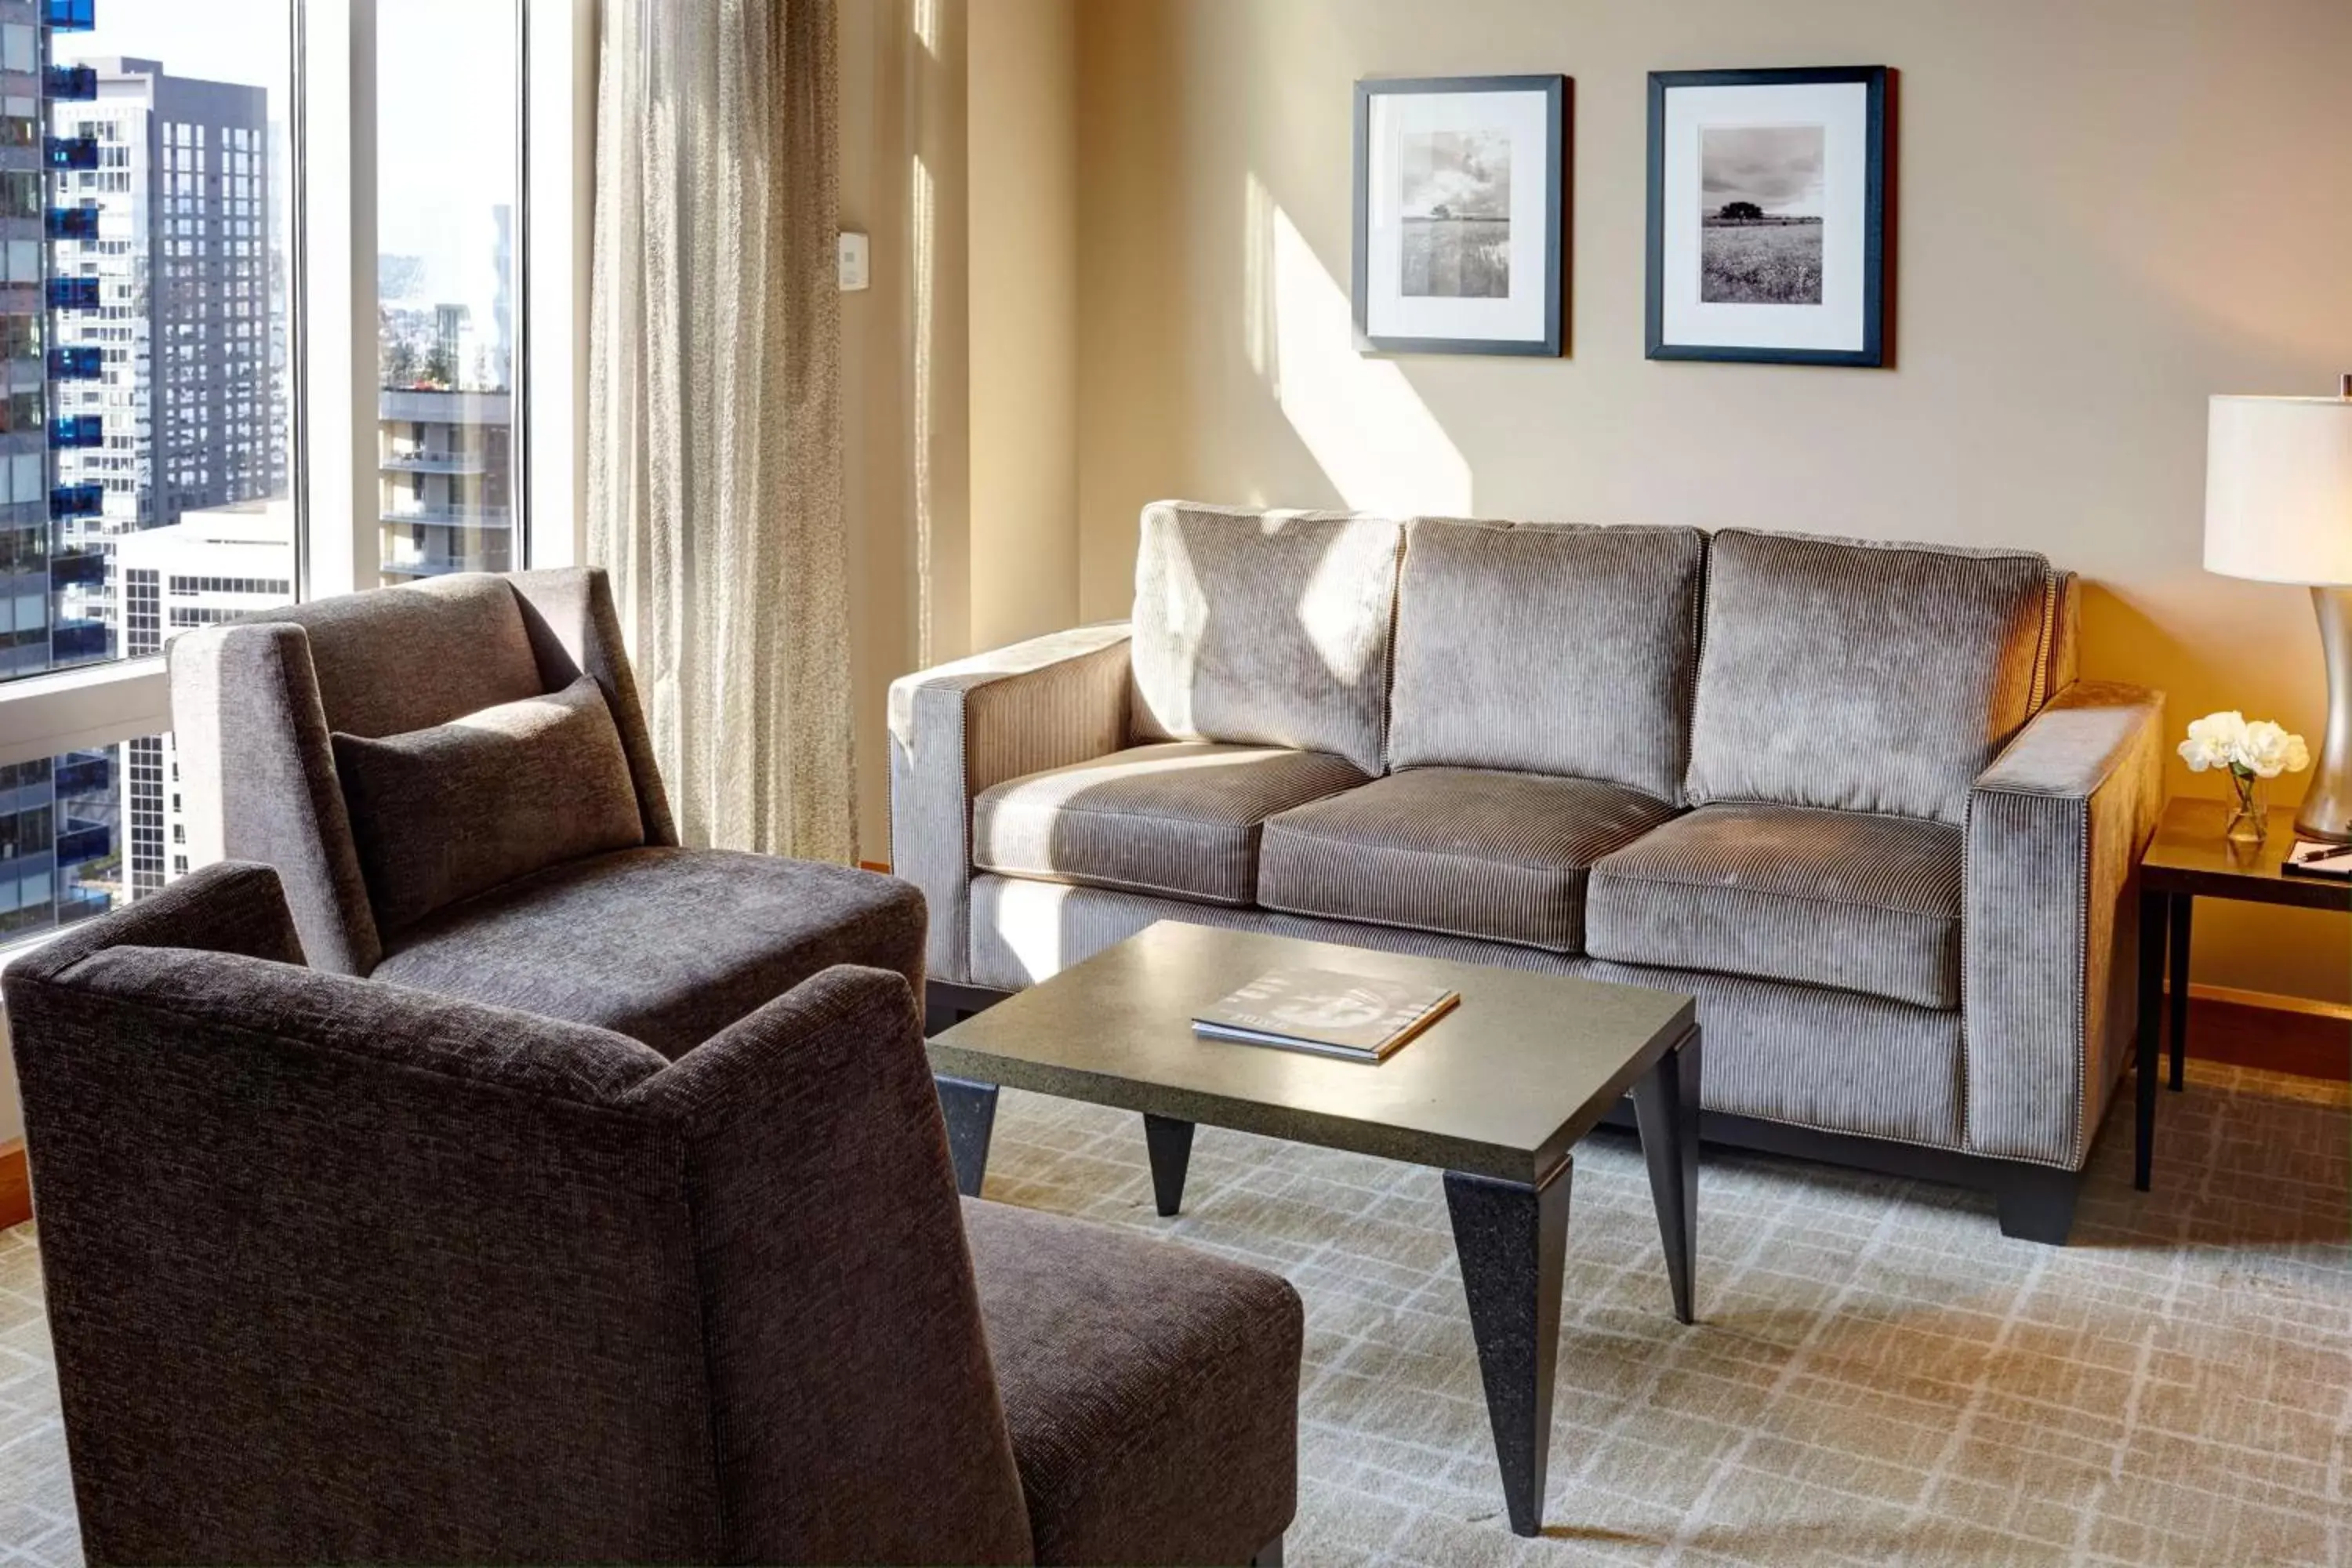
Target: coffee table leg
{"points": [[2154, 908], [1513, 1243], [1665, 1106], [1169, 1144], [970, 1113]]}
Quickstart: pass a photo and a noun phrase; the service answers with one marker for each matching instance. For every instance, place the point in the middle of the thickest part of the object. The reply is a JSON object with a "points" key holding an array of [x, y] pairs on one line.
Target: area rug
{"points": [[1878, 1376]]}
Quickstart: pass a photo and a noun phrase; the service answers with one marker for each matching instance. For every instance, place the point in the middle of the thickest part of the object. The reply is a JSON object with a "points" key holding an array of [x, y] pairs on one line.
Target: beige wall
{"points": [[2106, 210], [1022, 158]]}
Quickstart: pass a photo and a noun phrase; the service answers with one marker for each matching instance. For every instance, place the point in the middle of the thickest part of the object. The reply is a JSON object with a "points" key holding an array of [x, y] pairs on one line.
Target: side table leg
{"points": [[1169, 1142], [1512, 1241], [970, 1113], [1665, 1108], [2154, 914], [2178, 945]]}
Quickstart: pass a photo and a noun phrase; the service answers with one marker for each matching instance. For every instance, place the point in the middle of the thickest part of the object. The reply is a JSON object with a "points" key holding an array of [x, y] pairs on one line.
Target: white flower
{"points": [[2213, 741], [2267, 750], [2259, 750]]}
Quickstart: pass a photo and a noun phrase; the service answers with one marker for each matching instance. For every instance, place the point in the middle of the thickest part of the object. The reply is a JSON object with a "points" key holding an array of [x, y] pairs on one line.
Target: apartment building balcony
{"points": [[415, 563], [451, 517], [434, 463], [71, 84], [70, 16]]}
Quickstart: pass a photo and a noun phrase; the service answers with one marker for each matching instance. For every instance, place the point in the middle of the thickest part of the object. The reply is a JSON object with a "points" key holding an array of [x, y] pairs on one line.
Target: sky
{"points": [[1778, 167], [446, 78]]}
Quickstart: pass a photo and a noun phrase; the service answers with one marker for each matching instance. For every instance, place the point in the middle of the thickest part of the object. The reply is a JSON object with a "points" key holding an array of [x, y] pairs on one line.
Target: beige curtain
{"points": [[715, 463]]}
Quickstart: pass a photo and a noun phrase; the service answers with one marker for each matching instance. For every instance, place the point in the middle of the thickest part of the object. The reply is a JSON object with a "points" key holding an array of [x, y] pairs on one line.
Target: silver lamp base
{"points": [[2327, 810]]}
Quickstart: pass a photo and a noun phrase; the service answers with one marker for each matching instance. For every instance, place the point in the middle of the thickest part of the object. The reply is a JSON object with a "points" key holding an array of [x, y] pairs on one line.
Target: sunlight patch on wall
{"points": [[1360, 419]]}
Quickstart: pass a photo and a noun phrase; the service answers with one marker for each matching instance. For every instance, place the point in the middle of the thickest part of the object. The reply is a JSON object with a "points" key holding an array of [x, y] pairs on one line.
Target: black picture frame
{"points": [[1875, 253], [1557, 89]]}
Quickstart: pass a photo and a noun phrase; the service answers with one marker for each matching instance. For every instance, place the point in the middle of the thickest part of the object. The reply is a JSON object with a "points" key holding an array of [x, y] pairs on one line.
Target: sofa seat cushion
{"points": [[1180, 817], [1151, 1391], [667, 946], [1464, 851], [1821, 897]]}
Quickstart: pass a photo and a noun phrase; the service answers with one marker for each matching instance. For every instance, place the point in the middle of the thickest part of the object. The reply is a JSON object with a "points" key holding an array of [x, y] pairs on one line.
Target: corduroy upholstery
{"points": [[1819, 898], [457, 858], [1863, 676], [1547, 648], [1891, 853], [338, 1271], [1180, 817], [1269, 628], [1464, 851]]}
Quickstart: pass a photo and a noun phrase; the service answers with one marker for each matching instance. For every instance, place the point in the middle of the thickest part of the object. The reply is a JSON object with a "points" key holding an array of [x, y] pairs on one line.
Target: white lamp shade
{"points": [[2278, 489]]}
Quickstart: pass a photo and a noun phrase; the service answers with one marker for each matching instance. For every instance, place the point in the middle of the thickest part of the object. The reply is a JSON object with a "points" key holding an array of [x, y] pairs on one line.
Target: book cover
{"points": [[1326, 1011]]}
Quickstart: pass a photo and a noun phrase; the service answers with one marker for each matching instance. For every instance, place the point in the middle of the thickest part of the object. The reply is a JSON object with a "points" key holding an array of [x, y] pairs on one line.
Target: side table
{"points": [[2188, 859]]}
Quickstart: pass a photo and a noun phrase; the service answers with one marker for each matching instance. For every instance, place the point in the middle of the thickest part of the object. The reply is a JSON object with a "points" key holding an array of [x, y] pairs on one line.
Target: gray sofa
{"points": [[338, 1271], [1852, 796]]}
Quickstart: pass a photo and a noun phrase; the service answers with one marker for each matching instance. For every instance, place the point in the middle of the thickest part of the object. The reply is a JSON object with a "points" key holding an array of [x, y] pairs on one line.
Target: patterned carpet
{"points": [[1878, 1376]]}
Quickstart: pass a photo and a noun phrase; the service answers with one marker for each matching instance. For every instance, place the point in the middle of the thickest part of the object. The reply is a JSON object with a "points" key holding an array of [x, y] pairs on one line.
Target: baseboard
{"points": [[2272, 1033], [16, 1184]]}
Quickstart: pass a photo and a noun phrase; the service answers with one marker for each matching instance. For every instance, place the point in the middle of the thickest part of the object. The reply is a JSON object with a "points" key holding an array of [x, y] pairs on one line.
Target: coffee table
{"points": [[1494, 1094]]}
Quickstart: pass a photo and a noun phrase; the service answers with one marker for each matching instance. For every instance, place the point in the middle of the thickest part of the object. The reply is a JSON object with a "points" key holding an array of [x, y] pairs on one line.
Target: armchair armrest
{"points": [[233, 907], [846, 1351], [961, 728], [574, 630], [2055, 829]]}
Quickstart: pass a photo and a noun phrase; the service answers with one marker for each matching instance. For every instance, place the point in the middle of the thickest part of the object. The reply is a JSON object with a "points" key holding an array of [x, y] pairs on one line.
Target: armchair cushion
{"points": [[440, 814], [1821, 897], [1181, 817], [1266, 629], [1458, 850], [666, 946], [1861, 676], [1615, 612], [1151, 1391]]}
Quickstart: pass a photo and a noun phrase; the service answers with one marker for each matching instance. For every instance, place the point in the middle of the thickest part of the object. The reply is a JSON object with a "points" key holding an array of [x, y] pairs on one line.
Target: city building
{"points": [[447, 459], [211, 566], [167, 400]]}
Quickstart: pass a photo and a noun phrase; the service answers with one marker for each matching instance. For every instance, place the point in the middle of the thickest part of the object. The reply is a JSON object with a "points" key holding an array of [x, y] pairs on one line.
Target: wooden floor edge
{"points": [[16, 1184]]}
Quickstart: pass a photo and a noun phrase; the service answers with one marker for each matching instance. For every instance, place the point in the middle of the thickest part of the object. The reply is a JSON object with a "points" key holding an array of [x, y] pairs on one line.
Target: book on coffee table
{"points": [[2311, 858], [1325, 1012]]}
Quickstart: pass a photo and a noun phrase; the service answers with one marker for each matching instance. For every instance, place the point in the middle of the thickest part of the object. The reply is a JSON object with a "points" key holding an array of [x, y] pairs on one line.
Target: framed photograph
{"points": [[1768, 216], [1460, 215]]}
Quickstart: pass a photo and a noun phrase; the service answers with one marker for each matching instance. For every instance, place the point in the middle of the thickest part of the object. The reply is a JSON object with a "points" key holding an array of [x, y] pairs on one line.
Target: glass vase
{"points": [[2250, 813]]}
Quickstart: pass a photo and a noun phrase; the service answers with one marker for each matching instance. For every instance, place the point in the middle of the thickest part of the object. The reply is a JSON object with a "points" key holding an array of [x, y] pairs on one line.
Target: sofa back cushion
{"points": [[443, 814], [1863, 676], [1547, 648], [1264, 628]]}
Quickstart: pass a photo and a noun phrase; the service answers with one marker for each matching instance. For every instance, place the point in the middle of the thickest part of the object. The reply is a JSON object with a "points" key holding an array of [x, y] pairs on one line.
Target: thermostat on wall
{"points": [[852, 262]]}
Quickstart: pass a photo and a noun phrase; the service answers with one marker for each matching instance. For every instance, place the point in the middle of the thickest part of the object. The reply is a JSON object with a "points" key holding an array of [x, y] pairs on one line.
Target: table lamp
{"points": [[2278, 509]]}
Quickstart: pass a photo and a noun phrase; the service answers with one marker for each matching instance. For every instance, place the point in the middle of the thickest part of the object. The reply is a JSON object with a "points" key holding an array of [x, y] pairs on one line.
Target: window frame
{"points": [[332, 338]]}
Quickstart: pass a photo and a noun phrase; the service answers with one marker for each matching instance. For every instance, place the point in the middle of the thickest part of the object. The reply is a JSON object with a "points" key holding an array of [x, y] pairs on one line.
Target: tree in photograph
{"points": [[1741, 211]]}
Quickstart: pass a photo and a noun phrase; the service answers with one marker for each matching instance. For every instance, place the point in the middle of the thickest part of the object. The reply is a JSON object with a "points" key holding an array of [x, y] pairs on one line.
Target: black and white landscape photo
{"points": [[1458, 215], [1760, 214], [1460, 234]]}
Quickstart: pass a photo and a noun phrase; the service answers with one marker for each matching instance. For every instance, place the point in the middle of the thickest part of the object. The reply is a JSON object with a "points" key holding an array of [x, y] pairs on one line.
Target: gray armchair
{"points": [[324, 739], [341, 1271]]}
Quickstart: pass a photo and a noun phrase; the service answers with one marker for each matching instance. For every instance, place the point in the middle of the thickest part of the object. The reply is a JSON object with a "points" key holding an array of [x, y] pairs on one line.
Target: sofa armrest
{"points": [[232, 906], [2055, 829], [959, 728], [842, 1324]]}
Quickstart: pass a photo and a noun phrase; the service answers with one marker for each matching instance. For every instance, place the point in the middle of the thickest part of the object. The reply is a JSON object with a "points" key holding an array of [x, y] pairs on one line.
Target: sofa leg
{"points": [[970, 1109], [2038, 1205], [1269, 1556]]}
